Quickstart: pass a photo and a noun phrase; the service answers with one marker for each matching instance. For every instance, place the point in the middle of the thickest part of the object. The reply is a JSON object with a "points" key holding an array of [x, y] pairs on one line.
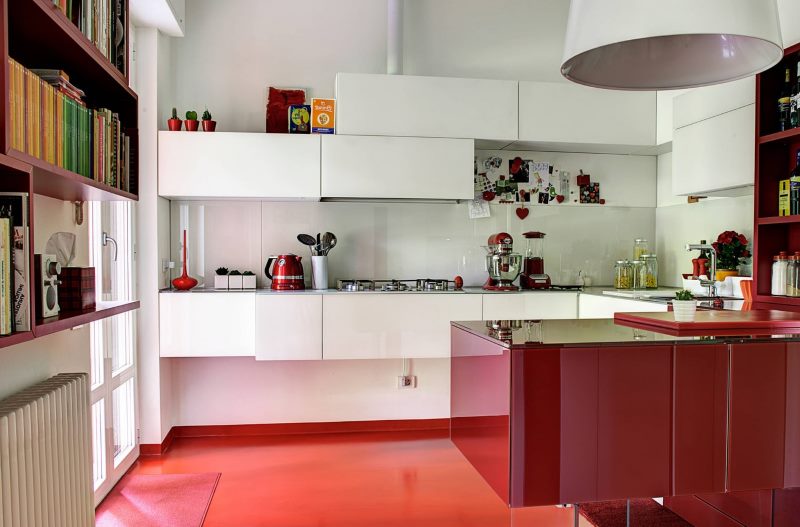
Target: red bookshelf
{"points": [[38, 35], [775, 159], [70, 319]]}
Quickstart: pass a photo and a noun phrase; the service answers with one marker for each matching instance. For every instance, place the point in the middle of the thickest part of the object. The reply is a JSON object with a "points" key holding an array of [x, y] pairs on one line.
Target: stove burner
{"points": [[356, 285], [432, 285], [394, 285]]}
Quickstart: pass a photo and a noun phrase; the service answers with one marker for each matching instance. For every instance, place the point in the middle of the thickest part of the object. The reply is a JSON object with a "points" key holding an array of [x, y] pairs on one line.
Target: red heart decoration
{"points": [[488, 195], [522, 213], [560, 198]]}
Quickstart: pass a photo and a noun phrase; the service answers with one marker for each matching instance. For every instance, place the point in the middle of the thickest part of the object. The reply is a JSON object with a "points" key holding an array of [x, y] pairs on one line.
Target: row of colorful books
{"points": [[104, 23], [14, 263], [50, 121]]}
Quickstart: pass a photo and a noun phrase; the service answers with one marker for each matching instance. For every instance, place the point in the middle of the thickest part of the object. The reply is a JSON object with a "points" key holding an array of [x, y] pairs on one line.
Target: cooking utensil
{"points": [[332, 244], [328, 242], [306, 239]]}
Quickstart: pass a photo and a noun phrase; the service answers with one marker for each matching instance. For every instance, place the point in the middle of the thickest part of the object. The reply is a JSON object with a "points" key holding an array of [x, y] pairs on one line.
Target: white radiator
{"points": [[45, 455]]}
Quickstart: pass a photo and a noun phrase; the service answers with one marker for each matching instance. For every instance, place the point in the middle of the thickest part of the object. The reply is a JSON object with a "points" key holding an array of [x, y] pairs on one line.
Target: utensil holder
{"points": [[319, 272]]}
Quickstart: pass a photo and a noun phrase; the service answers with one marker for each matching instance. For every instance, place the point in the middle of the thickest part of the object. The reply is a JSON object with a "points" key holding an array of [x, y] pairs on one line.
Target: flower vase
{"points": [[184, 282]]}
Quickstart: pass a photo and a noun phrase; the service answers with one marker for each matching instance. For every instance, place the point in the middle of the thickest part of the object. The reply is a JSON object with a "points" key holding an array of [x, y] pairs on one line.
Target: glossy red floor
{"points": [[345, 480]]}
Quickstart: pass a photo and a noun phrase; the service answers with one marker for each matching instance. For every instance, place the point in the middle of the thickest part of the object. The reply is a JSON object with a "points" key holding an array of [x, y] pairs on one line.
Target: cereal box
{"points": [[322, 116]]}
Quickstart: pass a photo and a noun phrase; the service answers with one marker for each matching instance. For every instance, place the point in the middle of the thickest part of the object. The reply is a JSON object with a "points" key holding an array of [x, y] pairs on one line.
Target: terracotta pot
{"points": [[174, 125], [209, 125], [184, 282], [191, 125], [722, 274]]}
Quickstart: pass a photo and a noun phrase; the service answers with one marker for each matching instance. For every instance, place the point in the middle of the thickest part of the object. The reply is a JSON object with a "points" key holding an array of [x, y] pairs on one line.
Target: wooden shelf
{"points": [[783, 300], [16, 338], [70, 319], [777, 220], [786, 135], [40, 35], [56, 182]]}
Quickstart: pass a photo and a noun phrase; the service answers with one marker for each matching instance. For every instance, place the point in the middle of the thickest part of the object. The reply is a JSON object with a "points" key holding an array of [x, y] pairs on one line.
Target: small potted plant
{"points": [[684, 306], [234, 280], [173, 123], [731, 248], [208, 124], [248, 280], [191, 121], [221, 278]]}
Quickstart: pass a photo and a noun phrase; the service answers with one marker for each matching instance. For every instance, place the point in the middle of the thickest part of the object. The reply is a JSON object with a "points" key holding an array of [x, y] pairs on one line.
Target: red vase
{"points": [[174, 125], [191, 125], [184, 282], [209, 125]]}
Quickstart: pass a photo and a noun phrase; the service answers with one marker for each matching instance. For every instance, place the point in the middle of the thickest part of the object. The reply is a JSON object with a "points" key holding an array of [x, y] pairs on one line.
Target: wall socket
{"points": [[406, 381]]}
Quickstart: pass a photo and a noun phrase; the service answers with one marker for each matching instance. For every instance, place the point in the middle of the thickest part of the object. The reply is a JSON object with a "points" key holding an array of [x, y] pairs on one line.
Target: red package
{"points": [[278, 102]]}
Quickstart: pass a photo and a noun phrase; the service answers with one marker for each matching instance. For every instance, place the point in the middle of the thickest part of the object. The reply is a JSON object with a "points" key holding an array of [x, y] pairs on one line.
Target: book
{"points": [[6, 291], [14, 207], [323, 112], [784, 202]]}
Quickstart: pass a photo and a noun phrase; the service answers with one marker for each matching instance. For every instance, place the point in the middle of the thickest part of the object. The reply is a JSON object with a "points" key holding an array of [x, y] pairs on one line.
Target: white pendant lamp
{"points": [[669, 44]]}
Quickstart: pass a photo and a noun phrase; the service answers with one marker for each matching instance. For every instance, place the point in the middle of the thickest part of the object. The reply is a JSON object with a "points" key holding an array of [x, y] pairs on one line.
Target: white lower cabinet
{"points": [[207, 324], [597, 306], [288, 327], [380, 326], [530, 306]]}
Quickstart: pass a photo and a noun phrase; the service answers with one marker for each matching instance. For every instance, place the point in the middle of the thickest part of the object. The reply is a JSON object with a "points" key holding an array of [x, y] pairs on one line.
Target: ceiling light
{"points": [[669, 44]]}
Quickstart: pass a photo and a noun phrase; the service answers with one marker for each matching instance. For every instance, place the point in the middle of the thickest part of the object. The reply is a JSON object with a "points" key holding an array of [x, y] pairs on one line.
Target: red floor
{"points": [[345, 480]]}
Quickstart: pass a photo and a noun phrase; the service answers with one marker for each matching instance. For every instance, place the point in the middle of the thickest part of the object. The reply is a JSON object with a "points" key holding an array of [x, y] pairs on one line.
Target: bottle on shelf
{"points": [[791, 275], [775, 288], [779, 274], [785, 102], [794, 187]]}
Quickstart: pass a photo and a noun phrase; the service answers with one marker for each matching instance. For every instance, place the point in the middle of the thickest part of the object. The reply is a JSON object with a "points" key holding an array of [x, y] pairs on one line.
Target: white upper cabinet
{"points": [[397, 167], [703, 103], [289, 326], [207, 324], [530, 306], [564, 115], [715, 155], [407, 105], [382, 326], [196, 165]]}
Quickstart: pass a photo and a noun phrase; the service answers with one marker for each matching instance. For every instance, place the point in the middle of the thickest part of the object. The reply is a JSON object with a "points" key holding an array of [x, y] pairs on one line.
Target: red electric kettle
{"points": [[287, 274]]}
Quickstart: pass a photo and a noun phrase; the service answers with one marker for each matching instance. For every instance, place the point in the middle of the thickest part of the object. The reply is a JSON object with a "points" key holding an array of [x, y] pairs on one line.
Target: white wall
{"points": [[679, 223]]}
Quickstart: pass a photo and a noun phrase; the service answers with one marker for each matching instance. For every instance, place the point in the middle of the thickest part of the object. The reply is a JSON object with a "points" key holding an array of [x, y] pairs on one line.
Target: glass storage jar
{"points": [[793, 277], [640, 248], [623, 274], [638, 274], [651, 271]]}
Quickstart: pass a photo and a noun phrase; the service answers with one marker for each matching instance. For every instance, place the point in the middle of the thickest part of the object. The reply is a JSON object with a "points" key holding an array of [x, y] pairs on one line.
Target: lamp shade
{"points": [[669, 44]]}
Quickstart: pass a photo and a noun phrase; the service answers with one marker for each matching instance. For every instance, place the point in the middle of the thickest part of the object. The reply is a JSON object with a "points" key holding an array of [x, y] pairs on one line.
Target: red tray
{"points": [[715, 320]]}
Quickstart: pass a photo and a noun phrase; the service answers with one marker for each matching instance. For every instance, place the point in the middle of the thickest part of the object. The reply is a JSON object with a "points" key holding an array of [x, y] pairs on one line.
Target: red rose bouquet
{"points": [[731, 248]]}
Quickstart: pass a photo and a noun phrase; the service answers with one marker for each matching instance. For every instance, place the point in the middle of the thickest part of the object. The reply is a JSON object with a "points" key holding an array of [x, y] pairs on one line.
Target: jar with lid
{"points": [[640, 248], [638, 274], [793, 276], [651, 271], [623, 274]]}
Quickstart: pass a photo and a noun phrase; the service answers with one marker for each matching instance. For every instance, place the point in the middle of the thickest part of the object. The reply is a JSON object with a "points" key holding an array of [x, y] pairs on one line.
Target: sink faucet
{"points": [[710, 283]]}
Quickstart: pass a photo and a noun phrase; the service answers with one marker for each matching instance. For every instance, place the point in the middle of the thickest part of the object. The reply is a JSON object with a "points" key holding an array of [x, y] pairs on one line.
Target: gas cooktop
{"points": [[419, 285]]}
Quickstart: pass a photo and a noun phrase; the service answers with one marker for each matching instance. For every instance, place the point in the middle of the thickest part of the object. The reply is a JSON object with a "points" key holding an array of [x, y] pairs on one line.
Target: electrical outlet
{"points": [[406, 381]]}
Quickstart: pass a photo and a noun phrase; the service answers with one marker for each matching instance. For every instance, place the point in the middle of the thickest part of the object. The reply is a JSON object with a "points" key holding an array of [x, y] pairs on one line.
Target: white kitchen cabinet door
{"points": [[530, 306], [207, 324], [397, 167], [288, 327], [597, 306], [198, 165], [407, 105], [393, 325], [715, 155], [564, 112], [703, 103]]}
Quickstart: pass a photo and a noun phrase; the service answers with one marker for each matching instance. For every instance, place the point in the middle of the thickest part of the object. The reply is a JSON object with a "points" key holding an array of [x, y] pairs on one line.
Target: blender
{"points": [[502, 264], [533, 275]]}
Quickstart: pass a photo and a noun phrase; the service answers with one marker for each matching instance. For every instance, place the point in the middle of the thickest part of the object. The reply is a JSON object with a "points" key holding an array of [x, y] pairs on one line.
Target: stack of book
{"points": [[50, 121], [104, 23]]}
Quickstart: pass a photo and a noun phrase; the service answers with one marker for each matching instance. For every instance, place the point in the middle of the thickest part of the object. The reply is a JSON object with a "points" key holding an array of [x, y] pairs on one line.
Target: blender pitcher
{"points": [[533, 275]]}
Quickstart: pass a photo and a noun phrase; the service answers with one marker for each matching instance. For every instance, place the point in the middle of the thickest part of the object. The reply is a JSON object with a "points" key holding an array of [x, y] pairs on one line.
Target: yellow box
{"points": [[323, 116], [784, 198]]}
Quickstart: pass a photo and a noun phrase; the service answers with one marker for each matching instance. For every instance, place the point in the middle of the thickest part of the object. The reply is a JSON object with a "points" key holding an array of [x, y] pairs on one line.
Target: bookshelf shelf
{"points": [[70, 319], [40, 35], [16, 338], [56, 182], [777, 220], [786, 135]]}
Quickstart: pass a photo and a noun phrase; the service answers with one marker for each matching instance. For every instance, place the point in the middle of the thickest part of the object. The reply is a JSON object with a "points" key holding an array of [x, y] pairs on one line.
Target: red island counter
{"points": [[575, 411]]}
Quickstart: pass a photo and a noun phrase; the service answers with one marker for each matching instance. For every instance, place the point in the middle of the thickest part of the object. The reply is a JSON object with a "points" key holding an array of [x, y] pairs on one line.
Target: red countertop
{"points": [[710, 323]]}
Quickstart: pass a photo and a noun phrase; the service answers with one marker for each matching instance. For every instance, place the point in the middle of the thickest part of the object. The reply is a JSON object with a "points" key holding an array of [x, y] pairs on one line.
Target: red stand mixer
{"points": [[502, 264], [533, 275]]}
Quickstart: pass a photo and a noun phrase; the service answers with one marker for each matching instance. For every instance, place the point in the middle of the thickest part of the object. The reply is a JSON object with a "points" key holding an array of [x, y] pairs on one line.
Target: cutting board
{"points": [[715, 320]]}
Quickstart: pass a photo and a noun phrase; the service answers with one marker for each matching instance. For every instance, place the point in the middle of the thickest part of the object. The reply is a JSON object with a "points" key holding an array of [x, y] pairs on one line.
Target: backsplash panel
{"points": [[402, 240]]}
